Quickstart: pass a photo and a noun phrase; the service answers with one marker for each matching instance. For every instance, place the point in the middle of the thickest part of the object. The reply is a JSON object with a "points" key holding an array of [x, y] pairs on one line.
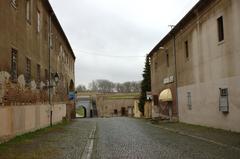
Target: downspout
{"points": [[49, 67], [176, 77]]}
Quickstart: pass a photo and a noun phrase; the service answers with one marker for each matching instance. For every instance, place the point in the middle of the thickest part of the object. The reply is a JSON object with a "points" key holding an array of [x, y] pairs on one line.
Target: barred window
{"points": [[28, 70], [14, 65], [38, 79], [14, 3], [189, 100]]}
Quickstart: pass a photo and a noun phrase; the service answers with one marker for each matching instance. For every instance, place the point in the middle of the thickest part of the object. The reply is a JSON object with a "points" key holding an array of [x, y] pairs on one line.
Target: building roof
{"points": [[59, 26], [201, 5]]}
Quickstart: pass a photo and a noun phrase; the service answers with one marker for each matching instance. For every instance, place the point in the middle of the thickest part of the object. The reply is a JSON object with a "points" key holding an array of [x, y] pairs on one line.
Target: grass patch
{"points": [[80, 111], [28, 137]]}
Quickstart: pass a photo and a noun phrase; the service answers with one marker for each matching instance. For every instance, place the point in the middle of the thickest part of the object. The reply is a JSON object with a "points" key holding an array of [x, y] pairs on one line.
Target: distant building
{"points": [[116, 104], [195, 67]]}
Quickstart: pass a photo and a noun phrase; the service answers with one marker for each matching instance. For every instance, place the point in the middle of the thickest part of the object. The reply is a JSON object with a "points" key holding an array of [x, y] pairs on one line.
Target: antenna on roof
{"points": [[171, 26]]}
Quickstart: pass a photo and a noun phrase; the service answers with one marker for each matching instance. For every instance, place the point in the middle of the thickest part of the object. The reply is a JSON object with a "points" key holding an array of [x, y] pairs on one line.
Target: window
{"points": [[46, 75], [14, 3], [167, 58], [28, 70], [14, 65], [186, 50], [28, 10], [38, 21], [220, 29], [223, 100], [38, 75], [189, 100]]}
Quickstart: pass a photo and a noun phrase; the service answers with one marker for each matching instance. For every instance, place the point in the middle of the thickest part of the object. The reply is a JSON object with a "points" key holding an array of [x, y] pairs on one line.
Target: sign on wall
{"points": [[168, 80]]}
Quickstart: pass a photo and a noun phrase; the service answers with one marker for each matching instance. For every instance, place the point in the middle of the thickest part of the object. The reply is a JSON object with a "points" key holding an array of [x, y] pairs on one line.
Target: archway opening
{"points": [[81, 112], [71, 86]]}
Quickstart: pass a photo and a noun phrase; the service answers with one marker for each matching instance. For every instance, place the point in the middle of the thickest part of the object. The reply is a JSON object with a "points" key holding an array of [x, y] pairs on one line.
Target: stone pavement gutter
{"points": [[215, 136], [87, 154]]}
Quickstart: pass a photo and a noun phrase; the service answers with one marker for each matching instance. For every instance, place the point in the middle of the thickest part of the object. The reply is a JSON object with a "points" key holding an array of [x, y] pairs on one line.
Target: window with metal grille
{"points": [[220, 29], [28, 70], [14, 3], [14, 72], [223, 100]]}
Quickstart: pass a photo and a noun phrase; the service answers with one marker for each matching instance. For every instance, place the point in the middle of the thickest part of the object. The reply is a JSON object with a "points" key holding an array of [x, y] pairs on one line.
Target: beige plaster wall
{"points": [[136, 111], [212, 65], [148, 110], [16, 120]]}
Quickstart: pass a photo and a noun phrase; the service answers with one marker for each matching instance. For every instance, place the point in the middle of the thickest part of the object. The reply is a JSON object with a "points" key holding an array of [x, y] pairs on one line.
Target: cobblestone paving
{"points": [[63, 142], [136, 139]]}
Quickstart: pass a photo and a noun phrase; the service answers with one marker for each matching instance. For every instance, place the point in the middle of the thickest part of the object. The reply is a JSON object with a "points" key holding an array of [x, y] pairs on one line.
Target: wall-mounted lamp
{"points": [[55, 77], [161, 48]]}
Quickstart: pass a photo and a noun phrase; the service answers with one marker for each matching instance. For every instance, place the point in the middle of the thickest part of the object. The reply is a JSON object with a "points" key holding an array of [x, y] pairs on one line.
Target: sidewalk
{"points": [[216, 136], [63, 141]]}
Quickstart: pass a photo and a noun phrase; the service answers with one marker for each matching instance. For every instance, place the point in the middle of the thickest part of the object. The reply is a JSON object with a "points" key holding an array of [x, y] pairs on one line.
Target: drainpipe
{"points": [[49, 67], [175, 64]]}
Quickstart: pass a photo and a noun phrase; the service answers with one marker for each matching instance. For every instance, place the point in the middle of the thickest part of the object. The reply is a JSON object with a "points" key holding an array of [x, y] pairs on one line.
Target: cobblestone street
{"points": [[116, 138], [133, 138]]}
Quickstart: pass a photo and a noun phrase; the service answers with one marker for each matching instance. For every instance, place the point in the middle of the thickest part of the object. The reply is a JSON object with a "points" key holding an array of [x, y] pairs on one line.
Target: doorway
{"points": [[123, 111]]}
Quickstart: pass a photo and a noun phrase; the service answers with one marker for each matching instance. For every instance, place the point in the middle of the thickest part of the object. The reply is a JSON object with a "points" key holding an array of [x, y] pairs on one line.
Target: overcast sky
{"points": [[111, 37]]}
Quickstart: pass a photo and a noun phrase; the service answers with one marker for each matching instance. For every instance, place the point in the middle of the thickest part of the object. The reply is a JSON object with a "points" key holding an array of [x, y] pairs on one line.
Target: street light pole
{"points": [[175, 64]]}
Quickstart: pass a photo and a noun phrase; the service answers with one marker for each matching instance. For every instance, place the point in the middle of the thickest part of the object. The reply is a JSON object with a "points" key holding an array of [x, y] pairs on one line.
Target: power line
{"points": [[91, 53]]}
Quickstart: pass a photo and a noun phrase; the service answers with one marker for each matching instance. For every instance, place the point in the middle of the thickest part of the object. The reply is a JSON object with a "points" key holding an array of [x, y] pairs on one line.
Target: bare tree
{"points": [[81, 88], [108, 86]]}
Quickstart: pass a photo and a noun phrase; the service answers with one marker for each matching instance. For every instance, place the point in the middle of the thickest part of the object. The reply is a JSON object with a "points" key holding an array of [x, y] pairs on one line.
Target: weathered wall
{"points": [[148, 110], [160, 70], [16, 120], [21, 34], [212, 65], [136, 111]]}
